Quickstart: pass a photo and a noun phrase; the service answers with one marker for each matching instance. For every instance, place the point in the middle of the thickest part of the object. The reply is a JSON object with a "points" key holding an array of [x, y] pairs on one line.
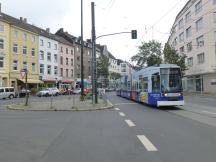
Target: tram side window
{"points": [[145, 84], [156, 83]]}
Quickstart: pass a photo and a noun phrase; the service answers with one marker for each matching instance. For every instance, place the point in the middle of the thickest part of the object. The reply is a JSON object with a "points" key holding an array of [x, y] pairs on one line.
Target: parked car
{"points": [[66, 91], [48, 92], [22, 93], [7, 92], [77, 91]]}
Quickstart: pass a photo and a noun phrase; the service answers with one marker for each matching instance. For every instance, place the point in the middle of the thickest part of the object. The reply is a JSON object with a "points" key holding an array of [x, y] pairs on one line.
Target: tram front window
{"points": [[171, 80]]}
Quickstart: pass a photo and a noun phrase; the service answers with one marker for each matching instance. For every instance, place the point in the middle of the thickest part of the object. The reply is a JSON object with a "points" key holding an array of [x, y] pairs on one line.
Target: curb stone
{"points": [[10, 107]]}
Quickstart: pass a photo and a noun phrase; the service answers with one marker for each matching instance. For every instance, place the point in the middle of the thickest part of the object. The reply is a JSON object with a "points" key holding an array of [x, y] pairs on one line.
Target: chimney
{"points": [[25, 20], [48, 30], [21, 19]]}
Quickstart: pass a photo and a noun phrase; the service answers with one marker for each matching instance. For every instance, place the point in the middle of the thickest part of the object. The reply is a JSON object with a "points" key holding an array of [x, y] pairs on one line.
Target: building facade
{"points": [[4, 52], [194, 34], [66, 63]]}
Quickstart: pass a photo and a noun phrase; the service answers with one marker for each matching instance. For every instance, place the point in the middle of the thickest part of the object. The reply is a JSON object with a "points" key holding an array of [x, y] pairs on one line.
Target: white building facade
{"points": [[48, 61], [194, 34]]}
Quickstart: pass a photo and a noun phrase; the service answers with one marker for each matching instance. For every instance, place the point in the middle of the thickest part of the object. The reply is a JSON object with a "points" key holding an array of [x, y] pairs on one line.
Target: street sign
{"points": [[23, 73]]}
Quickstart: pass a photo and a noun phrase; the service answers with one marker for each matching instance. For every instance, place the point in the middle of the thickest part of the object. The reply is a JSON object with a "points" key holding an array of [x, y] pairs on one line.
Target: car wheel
{"points": [[11, 96], [47, 94], [56, 94]]}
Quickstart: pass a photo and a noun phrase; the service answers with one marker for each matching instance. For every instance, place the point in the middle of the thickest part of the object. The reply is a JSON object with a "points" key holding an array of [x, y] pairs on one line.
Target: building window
{"points": [[175, 41], [49, 45], [48, 56], [61, 49], [66, 72], [66, 61], [49, 69], [200, 41], [181, 37], [214, 17], [78, 58], [188, 32], [1, 62], [1, 28], [188, 17], [199, 24], [41, 68], [61, 72], [24, 50], [56, 70], [190, 61], [33, 52], [33, 38], [33, 67], [25, 37], [71, 62], [15, 65], [15, 34], [41, 55], [41, 42], [61, 60], [198, 7], [181, 49], [180, 24], [15, 48], [25, 65], [201, 58], [72, 52], [189, 47], [72, 73], [1, 43], [66, 50], [55, 58], [55, 46]]}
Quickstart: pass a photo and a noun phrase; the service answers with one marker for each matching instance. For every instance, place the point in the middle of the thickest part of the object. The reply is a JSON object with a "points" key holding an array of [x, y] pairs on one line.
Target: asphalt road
{"points": [[131, 132]]}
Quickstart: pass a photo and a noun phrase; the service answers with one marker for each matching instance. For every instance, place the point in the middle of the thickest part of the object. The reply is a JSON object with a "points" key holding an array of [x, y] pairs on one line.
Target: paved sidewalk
{"points": [[213, 95], [66, 104]]}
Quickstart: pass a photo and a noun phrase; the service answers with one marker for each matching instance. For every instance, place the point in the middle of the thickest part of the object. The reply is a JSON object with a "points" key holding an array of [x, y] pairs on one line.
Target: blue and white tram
{"points": [[156, 86]]}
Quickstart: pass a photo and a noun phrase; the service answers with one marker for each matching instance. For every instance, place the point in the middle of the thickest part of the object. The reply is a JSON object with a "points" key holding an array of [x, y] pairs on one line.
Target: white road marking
{"points": [[147, 144], [130, 123], [117, 109], [121, 113], [208, 112]]}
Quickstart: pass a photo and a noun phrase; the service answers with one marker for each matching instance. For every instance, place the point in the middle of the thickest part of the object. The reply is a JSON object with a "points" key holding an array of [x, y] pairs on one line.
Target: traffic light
{"points": [[133, 34]]}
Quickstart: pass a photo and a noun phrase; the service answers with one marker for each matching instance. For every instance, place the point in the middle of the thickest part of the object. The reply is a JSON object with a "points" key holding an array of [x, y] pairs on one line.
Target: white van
{"points": [[7, 92]]}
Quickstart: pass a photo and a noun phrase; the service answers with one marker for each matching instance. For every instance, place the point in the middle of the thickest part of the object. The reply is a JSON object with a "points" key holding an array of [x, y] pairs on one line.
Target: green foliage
{"points": [[171, 56], [149, 54], [102, 66], [115, 76]]}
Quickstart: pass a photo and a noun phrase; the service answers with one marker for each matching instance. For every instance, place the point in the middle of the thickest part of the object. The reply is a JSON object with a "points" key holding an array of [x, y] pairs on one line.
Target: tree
{"points": [[149, 54], [171, 56], [102, 67], [114, 75]]}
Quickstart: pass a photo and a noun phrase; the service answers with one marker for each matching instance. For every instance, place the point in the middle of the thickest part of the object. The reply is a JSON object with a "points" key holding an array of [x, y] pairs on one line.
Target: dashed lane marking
{"points": [[147, 143], [121, 114], [130, 123], [117, 109]]}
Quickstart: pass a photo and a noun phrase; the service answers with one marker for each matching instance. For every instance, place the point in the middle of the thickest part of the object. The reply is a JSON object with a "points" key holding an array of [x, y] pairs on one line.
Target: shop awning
{"points": [[34, 81]]}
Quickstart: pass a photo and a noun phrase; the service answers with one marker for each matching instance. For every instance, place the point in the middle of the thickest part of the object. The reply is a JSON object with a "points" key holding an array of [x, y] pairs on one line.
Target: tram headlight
{"points": [[164, 94]]}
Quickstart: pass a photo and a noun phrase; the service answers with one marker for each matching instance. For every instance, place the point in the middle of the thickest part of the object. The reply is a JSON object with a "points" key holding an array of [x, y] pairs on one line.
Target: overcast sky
{"points": [[151, 18]]}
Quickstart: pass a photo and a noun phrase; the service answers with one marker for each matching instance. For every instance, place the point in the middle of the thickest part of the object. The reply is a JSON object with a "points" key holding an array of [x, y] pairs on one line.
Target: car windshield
{"points": [[171, 80]]}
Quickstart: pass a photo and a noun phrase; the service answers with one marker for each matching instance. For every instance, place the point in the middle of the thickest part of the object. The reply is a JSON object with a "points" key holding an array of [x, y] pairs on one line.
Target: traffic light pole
{"points": [[82, 75]]}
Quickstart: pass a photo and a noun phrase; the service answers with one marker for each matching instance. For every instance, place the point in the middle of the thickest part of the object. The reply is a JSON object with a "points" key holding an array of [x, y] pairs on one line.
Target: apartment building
{"points": [[65, 63], [4, 52], [87, 54], [194, 34], [48, 57], [22, 52]]}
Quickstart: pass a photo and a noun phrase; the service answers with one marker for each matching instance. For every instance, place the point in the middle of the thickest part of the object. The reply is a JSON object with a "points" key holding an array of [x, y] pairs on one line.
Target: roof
{"points": [[111, 56], [62, 40], [17, 22]]}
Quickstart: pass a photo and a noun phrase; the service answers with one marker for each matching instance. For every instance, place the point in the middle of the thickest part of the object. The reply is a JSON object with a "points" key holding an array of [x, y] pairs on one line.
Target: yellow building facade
{"points": [[4, 53], [23, 55]]}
